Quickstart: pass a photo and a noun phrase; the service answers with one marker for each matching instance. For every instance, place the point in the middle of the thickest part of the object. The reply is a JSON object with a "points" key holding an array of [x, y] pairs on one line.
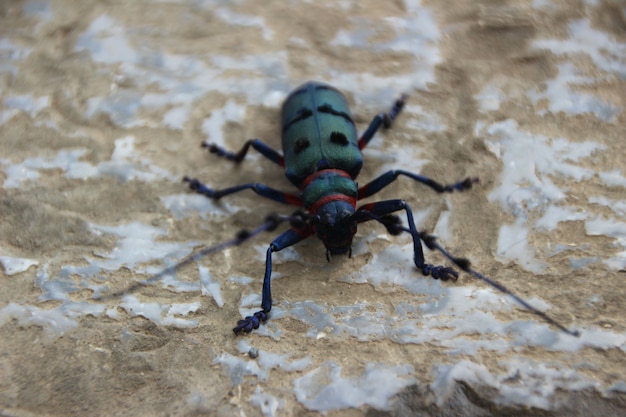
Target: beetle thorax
{"points": [[331, 196]]}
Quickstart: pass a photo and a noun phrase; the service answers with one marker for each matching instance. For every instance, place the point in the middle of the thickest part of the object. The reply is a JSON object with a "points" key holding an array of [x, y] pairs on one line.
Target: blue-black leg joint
{"points": [[382, 209], [290, 237]]}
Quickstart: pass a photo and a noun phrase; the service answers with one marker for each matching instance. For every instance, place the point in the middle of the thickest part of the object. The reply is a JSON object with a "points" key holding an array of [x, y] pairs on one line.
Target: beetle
{"points": [[322, 158]]}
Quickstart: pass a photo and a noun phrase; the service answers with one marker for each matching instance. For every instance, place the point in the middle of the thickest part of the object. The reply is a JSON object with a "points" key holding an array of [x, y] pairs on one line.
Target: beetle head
{"points": [[336, 226]]}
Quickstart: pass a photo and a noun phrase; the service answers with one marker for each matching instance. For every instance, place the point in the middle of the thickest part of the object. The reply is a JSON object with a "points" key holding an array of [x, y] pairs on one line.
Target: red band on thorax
{"points": [[316, 174], [329, 198]]}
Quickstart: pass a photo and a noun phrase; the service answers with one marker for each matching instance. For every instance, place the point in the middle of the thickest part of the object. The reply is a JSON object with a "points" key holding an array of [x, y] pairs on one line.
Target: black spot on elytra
{"points": [[339, 138], [301, 144], [328, 109]]}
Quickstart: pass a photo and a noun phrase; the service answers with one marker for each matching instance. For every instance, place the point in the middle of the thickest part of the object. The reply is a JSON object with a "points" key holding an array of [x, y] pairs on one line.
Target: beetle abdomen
{"points": [[318, 132]]}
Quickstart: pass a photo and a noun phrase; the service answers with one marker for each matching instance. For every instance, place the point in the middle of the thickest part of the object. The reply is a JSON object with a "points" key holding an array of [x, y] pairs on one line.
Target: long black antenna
{"points": [[394, 226], [271, 222]]}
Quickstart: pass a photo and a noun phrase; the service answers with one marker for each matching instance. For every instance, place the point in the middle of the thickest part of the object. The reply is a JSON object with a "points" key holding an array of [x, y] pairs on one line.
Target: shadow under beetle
{"points": [[322, 157]]}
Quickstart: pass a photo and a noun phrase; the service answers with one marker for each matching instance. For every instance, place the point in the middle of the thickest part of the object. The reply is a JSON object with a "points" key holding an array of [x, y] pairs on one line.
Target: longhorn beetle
{"points": [[322, 157]]}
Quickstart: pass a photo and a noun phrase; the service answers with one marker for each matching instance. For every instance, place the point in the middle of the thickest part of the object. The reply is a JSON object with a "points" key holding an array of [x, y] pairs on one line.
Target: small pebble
{"points": [[253, 353]]}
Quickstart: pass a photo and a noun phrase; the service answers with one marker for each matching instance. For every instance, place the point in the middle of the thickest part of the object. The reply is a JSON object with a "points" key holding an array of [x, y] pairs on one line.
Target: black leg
{"points": [[384, 208], [384, 119], [260, 189], [262, 148], [387, 178], [288, 238]]}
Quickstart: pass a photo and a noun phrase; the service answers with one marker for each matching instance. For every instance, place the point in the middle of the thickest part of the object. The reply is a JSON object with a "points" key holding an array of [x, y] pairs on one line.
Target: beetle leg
{"points": [[385, 119], [387, 178], [384, 208], [291, 236], [260, 189], [261, 147]]}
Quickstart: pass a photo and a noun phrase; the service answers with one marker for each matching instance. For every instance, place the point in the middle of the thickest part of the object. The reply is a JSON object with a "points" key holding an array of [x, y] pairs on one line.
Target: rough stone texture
{"points": [[103, 106]]}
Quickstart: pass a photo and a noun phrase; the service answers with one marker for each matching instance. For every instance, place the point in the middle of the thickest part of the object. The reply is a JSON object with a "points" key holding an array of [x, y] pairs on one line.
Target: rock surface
{"points": [[104, 105]]}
